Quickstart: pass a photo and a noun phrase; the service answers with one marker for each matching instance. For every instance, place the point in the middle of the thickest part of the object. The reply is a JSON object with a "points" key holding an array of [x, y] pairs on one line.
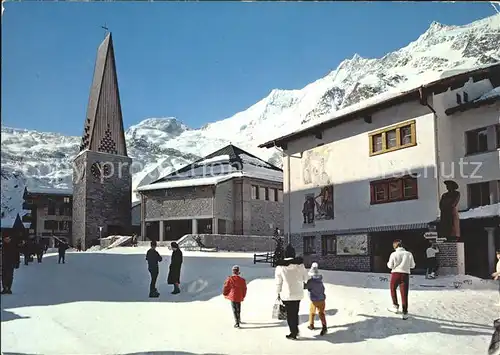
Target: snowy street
{"points": [[97, 303]]}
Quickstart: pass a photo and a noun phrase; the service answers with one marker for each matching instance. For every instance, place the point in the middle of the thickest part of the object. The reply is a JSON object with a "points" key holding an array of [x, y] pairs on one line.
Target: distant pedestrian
{"points": [[430, 253], [10, 261], [290, 276], [235, 290], [400, 262], [496, 274], [174, 274], [78, 245], [153, 258], [39, 248], [62, 252], [317, 295]]}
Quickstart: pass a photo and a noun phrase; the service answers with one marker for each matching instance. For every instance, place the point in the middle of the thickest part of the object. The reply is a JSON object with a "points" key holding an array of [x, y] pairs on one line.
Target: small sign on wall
{"points": [[430, 235]]}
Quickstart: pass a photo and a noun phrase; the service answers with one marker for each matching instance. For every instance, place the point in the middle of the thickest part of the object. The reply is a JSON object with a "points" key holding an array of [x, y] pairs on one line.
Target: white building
{"points": [[384, 162]]}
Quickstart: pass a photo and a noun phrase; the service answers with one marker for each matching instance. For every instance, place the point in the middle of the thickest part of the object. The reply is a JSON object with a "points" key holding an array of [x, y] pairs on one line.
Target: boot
{"points": [[311, 327], [4, 291], [176, 290], [323, 330]]}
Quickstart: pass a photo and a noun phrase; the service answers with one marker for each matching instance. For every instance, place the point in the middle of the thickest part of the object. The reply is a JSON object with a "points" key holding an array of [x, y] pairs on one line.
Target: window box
{"points": [[393, 138], [393, 190]]}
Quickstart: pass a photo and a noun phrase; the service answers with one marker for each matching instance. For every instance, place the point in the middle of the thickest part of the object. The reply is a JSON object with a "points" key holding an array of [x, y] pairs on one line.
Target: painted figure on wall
{"points": [[449, 223], [308, 209], [318, 207]]}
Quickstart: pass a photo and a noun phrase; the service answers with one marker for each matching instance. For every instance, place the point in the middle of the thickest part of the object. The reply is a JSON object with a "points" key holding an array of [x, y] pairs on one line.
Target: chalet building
{"points": [[228, 192], [14, 227], [50, 212], [375, 172]]}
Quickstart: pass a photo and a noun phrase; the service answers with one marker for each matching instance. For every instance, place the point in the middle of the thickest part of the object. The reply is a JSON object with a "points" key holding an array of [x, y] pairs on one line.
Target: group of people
{"points": [[153, 259], [291, 279], [11, 257]]}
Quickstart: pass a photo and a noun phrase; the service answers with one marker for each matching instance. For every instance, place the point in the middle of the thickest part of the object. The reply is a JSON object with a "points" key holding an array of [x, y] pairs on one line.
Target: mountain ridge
{"points": [[160, 145]]}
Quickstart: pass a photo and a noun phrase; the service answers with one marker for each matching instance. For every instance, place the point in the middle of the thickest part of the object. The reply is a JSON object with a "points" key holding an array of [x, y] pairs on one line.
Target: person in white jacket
{"points": [[496, 274], [290, 276], [400, 262]]}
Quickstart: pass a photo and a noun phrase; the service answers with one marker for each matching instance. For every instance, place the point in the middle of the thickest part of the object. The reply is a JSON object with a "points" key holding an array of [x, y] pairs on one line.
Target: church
{"points": [[102, 183]]}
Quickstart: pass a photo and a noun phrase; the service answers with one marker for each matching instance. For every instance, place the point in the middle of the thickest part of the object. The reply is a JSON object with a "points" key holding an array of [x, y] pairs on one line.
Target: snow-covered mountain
{"points": [[159, 145]]}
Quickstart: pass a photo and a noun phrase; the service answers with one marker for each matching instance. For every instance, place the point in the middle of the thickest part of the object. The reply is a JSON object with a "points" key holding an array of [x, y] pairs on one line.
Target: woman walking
{"points": [[290, 277], [174, 274]]}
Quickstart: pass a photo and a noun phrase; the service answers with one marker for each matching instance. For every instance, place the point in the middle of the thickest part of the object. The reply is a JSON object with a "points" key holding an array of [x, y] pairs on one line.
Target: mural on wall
{"points": [[449, 220], [314, 162], [318, 207], [354, 244]]}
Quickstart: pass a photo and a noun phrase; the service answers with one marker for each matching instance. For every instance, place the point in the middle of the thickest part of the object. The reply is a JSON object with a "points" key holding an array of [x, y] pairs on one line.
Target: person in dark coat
{"points": [[39, 249], [174, 274], [62, 252], [26, 251], [10, 261], [153, 258]]}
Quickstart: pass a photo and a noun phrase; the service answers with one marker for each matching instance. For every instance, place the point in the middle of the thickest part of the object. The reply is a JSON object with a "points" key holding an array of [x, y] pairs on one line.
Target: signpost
{"points": [[431, 235]]}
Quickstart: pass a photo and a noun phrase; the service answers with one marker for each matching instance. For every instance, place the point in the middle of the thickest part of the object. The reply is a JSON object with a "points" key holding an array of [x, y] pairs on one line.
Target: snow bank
{"points": [[481, 212]]}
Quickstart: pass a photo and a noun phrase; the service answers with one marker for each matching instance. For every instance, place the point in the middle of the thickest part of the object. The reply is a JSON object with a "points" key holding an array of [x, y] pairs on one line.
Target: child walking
{"points": [[153, 258], [235, 290], [317, 295]]}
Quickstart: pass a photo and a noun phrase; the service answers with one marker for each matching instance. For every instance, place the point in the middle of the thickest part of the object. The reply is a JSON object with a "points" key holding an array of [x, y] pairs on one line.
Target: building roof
{"points": [[383, 101], [50, 191], [224, 164], [103, 131], [489, 98], [12, 222]]}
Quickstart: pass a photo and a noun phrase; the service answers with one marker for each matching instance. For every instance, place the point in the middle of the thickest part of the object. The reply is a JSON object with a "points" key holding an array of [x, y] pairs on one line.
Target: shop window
{"points": [[328, 244], [309, 245]]}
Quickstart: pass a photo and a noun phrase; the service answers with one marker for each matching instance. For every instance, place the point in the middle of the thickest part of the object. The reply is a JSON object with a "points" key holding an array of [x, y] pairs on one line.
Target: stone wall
{"points": [[265, 215], [228, 242], [79, 199], [103, 200], [451, 258], [224, 208], [331, 261], [181, 202]]}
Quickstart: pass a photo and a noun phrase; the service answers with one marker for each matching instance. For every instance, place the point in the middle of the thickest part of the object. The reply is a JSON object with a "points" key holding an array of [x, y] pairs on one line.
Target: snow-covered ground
{"points": [[97, 303]]}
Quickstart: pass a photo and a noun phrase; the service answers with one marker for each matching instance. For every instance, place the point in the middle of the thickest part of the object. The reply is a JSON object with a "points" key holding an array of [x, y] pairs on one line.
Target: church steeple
{"points": [[103, 130]]}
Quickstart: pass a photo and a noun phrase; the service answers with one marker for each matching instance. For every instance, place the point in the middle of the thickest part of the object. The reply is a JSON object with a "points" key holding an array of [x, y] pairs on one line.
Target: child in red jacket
{"points": [[235, 290]]}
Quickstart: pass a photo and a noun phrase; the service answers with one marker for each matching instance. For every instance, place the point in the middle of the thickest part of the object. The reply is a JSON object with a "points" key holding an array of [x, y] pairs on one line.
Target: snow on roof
{"points": [[495, 92], [276, 176], [216, 159], [254, 161], [385, 97], [8, 222], [51, 191], [481, 212], [135, 203]]}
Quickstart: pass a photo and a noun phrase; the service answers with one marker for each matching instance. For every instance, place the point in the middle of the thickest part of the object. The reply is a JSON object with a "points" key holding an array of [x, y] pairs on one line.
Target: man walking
{"points": [[10, 261], [153, 258], [62, 252], [400, 262]]}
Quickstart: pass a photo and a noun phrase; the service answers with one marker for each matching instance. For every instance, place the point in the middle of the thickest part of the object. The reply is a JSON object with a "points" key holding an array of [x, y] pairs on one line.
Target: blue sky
{"points": [[199, 62]]}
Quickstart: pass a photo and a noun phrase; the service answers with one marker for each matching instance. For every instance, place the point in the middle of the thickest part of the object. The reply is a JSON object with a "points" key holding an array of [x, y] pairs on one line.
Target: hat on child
{"points": [[314, 269], [236, 269]]}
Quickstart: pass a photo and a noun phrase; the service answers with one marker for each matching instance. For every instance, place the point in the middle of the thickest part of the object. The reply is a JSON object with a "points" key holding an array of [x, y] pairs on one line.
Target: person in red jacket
{"points": [[235, 290]]}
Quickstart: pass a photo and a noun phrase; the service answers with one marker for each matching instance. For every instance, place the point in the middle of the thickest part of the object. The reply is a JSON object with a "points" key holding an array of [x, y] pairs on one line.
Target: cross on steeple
{"points": [[105, 28]]}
